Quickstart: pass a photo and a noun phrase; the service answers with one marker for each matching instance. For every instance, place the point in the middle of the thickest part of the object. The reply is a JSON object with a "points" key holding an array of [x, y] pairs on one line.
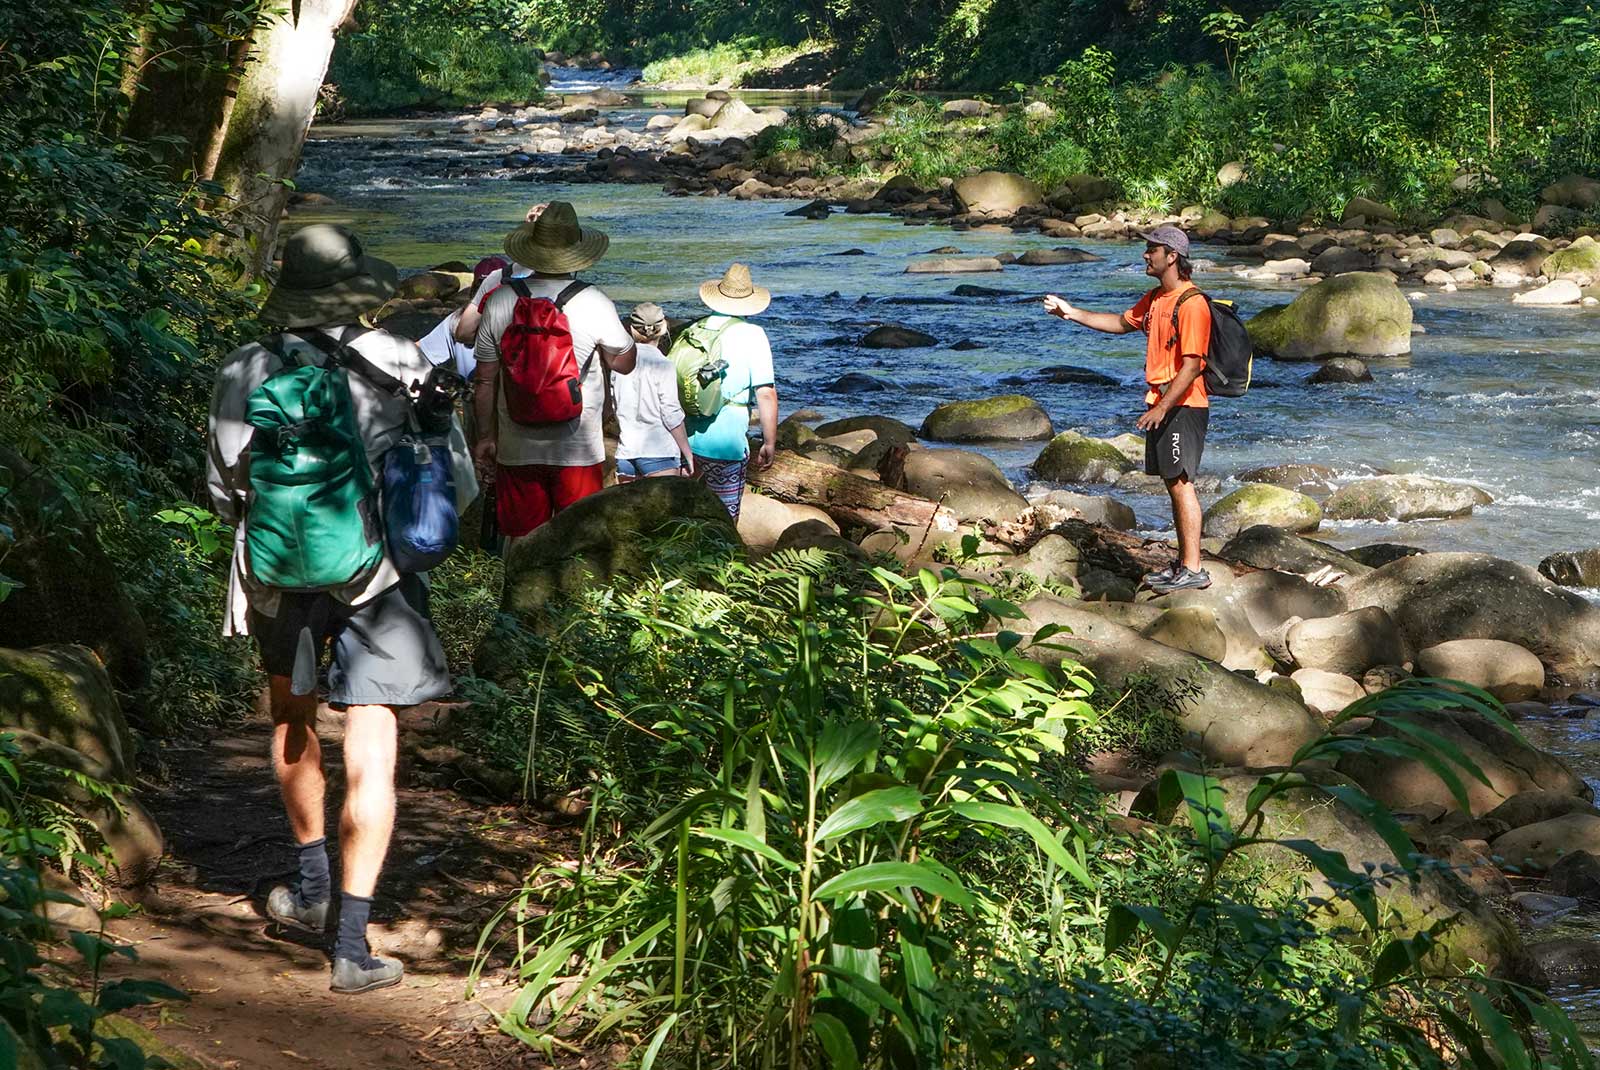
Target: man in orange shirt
{"points": [[1177, 408]]}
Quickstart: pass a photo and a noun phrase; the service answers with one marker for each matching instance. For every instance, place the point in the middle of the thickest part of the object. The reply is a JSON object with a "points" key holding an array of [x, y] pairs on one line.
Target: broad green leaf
{"points": [[921, 986], [836, 1042], [1501, 1033], [1378, 816], [1015, 817], [1357, 888], [1204, 801], [872, 808], [884, 876], [660, 1038], [132, 992], [1125, 919], [842, 747], [745, 842]]}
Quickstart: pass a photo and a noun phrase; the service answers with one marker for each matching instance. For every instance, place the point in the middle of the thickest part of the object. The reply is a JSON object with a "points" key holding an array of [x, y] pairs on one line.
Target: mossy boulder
{"points": [[1370, 211], [1009, 417], [1437, 597], [1074, 458], [1262, 503], [1478, 937], [997, 192], [1578, 262], [969, 484], [62, 693], [1404, 497], [604, 537], [1359, 313]]}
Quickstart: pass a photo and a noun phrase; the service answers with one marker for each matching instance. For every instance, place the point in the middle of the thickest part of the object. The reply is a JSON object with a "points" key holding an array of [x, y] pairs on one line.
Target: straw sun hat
{"points": [[734, 294], [327, 278], [554, 244]]}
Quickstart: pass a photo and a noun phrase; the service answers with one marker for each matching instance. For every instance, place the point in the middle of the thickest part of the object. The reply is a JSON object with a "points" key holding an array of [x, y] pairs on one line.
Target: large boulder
{"points": [[1509, 763], [737, 119], [1359, 313], [1437, 597], [1348, 643], [63, 694], [887, 428], [1270, 599], [1544, 843], [1552, 294], [1072, 458], [1522, 259], [1573, 568], [763, 519], [1370, 211], [1572, 191], [1009, 417], [1062, 505], [894, 336], [603, 537], [1505, 670], [953, 265], [1340, 259], [1578, 262], [1531, 807], [1261, 503], [1403, 497], [1057, 257], [1327, 693], [998, 192], [1228, 717], [1265, 546], [1478, 938], [970, 485], [1305, 478]]}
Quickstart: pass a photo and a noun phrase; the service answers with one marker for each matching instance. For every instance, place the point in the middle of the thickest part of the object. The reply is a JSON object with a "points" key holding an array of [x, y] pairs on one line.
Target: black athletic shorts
{"points": [[385, 653], [1173, 447]]}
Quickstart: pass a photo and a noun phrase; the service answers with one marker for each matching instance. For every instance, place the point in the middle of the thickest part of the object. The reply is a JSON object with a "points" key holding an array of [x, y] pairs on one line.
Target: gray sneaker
{"points": [[1185, 579], [1165, 575], [351, 978], [283, 907]]}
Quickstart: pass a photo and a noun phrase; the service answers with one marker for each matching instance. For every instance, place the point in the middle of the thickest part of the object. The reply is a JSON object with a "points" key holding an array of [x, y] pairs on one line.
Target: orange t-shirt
{"points": [[1153, 316]]}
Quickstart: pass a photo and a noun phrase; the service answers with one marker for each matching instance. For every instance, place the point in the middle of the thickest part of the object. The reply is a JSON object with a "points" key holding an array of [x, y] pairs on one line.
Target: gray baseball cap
{"points": [[1171, 237]]}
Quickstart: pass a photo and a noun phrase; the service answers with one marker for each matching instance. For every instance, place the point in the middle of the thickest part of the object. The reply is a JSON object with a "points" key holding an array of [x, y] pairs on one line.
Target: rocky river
{"points": [[1496, 394]]}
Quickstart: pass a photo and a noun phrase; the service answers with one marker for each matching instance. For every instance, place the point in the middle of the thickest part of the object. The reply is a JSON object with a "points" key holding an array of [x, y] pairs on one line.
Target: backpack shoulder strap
{"points": [[1193, 291], [348, 357], [571, 290]]}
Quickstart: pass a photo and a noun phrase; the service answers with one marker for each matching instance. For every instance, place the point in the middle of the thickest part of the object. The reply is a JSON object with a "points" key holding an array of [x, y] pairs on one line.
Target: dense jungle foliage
{"points": [[834, 817]]}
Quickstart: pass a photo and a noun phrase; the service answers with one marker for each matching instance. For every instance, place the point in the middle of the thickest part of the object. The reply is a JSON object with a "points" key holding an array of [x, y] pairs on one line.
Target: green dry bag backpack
{"points": [[312, 523], [700, 370]]}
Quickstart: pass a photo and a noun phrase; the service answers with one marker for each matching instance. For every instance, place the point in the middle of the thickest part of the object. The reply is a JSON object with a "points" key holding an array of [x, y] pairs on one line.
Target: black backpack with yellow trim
{"points": [[1230, 357]]}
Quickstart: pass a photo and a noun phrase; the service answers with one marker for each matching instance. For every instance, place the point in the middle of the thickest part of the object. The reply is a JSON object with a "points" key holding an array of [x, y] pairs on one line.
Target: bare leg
{"points": [[1186, 518], [368, 820], [297, 759]]}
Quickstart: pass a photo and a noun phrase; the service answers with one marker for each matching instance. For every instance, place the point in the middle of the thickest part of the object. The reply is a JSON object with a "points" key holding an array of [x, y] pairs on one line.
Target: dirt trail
{"points": [[260, 997]]}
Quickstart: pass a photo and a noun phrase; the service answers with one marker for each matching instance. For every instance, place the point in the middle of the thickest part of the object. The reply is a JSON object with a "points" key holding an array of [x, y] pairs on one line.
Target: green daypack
{"points": [[312, 521], [701, 371]]}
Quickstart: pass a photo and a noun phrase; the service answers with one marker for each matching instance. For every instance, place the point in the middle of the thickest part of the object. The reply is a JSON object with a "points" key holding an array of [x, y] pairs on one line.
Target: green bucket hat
{"points": [[554, 244], [327, 278]]}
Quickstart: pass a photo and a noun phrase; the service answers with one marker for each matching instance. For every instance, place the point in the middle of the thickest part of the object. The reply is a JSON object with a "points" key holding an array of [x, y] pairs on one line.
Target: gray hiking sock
{"points": [[315, 884], [351, 942]]}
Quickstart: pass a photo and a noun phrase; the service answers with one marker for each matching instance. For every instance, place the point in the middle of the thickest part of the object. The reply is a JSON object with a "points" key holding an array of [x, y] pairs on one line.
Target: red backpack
{"points": [[539, 372]]}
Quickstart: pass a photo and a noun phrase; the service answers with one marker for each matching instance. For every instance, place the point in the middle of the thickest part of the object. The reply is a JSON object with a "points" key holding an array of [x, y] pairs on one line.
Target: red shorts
{"points": [[526, 495]]}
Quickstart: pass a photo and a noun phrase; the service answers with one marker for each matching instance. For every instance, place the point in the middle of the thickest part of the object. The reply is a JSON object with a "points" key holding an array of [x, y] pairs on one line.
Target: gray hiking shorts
{"points": [[385, 653]]}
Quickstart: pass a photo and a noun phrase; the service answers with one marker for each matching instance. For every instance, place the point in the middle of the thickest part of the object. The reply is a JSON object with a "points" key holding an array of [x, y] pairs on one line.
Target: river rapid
{"points": [[1496, 394]]}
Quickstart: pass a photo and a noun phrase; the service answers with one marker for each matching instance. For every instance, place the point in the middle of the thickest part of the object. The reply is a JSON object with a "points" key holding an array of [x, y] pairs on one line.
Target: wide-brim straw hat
{"points": [[327, 278], [734, 294], [554, 244]]}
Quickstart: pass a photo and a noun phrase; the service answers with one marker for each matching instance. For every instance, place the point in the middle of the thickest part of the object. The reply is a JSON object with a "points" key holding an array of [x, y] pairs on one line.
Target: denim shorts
{"points": [[638, 467]]}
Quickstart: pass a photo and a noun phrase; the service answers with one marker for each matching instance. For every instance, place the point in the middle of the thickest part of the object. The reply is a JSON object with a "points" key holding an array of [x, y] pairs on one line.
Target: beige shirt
{"points": [[594, 320], [381, 419]]}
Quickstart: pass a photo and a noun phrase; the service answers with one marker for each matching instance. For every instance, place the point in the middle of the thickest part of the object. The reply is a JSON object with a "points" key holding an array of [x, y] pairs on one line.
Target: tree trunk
{"points": [[848, 498], [271, 115]]}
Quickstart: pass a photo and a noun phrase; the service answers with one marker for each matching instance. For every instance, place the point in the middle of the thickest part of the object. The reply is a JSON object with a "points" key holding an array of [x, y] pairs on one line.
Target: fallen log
{"points": [[848, 498]]}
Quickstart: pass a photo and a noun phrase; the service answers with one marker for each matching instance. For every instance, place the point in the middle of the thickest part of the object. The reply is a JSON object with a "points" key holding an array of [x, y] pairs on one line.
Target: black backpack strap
{"points": [[573, 289], [348, 357], [1193, 291], [519, 286]]}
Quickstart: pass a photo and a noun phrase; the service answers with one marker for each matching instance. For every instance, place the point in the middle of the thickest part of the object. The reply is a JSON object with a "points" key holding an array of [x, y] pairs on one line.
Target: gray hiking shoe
{"points": [[283, 907], [350, 977], [1165, 575], [1185, 579]]}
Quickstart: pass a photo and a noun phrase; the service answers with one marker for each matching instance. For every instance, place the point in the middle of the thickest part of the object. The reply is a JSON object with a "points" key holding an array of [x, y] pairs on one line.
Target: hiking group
{"points": [[337, 451], [344, 455]]}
